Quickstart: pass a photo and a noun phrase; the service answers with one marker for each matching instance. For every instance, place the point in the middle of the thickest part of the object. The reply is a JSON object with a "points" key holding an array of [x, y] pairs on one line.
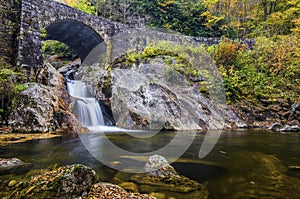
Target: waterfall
{"points": [[87, 108]]}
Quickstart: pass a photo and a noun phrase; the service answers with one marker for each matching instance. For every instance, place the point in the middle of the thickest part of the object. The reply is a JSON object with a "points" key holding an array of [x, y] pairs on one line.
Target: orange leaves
{"points": [[226, 53]]}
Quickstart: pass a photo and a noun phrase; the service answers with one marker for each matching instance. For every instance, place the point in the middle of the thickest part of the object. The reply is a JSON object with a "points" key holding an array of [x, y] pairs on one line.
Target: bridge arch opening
{"points": [[79, 36]]}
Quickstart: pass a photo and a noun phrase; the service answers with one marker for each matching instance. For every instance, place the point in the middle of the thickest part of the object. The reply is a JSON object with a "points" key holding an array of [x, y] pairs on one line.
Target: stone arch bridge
{"points": [[22, 25]]}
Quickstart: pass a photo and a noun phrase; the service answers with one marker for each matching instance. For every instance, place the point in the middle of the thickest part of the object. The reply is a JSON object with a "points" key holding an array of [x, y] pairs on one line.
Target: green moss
{"points": [[11, 84]]}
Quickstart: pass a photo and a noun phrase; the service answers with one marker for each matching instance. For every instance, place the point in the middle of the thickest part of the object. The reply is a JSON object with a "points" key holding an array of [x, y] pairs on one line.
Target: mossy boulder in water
{"points": [[65, 182], [159, 176], [69, 182]]}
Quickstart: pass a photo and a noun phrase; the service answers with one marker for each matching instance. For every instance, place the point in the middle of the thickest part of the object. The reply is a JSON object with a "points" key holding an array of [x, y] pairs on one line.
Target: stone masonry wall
{"points": [[10, 12], [30, 46]]}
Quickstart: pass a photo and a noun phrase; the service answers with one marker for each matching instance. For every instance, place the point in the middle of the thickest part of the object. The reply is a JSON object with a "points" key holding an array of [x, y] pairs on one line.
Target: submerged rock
{"points": [[13, 166], [111, 191], [160, 176], [267, 179]]}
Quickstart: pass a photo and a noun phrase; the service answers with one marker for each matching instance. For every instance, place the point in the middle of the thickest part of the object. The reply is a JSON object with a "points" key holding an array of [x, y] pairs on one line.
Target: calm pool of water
{"points": [[243, 163]]}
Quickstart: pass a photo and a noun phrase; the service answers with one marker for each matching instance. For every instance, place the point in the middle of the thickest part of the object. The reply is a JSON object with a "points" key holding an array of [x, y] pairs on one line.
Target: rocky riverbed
{"points": [[79, 181]]}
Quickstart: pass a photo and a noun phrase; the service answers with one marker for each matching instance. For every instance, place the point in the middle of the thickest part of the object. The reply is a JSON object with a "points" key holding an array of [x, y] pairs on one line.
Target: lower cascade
{"points": [[87, 108]]}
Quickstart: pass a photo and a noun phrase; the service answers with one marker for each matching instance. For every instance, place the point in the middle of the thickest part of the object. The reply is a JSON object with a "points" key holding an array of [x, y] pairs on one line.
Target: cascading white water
{"points": [[87, 107], [88, 110]]}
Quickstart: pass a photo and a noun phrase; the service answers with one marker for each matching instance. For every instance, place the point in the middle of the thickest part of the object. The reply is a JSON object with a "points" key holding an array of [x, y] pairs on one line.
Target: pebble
{"points": [[12, 183]]}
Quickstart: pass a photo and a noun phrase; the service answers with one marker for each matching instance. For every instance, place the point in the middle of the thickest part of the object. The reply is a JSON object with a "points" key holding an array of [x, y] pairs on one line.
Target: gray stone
{"points": [[151, 101], [158, 166], [43, 107], [276, 126], [66, 182], [161, 177], [288, 128], [296, 107], [267, 179], [13, 166]]}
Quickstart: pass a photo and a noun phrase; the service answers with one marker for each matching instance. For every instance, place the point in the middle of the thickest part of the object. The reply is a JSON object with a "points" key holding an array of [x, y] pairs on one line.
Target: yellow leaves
{"points": [[29, 190], [82, 5], [211, 19], [210, 3], [166, 4], [296, 29]]}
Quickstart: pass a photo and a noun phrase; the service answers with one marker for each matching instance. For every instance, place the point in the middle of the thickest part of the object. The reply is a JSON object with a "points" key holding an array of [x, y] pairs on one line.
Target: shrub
{"points": [[270, 70], [58, 48]]}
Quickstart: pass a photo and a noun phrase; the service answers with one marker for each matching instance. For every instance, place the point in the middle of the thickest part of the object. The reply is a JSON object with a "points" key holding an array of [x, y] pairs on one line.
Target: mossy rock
{"points": [[129, 187], [64, 182], [174, 183]]}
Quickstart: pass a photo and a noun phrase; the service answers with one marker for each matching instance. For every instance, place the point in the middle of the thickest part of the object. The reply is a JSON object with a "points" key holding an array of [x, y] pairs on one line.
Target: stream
{"points": [[240, 164]]}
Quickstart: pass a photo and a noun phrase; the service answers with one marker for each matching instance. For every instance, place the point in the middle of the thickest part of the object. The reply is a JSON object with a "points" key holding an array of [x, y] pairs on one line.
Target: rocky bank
{"points": [[44, 106]]}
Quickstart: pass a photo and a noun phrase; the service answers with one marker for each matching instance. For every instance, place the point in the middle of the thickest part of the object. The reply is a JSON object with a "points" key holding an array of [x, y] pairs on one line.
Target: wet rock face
{"points": [[43, 107], [155, 96]]}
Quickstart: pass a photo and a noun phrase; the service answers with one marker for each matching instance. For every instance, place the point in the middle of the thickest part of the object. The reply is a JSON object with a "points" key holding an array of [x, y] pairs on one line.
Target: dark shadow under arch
{"points": [[79, 36]]}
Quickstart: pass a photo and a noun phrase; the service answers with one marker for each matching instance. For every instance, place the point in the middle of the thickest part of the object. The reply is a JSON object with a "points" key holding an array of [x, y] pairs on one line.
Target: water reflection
{"points": [[242, 162]]}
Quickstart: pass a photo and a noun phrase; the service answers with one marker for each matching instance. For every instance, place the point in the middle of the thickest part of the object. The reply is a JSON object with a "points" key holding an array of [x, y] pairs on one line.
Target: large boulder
{"points": [[159, 176], [66, 182], [44, 106], [155, 96]]}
